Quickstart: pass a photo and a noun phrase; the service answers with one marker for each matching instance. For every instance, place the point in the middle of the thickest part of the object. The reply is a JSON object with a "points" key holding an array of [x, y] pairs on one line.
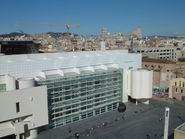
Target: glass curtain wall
{"points": [[74, 97]]}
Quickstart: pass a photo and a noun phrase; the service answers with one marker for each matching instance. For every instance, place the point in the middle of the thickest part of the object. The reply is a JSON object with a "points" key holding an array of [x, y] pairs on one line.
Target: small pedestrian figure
{"points": [[155, 136], [160, 119], [123, 117], [70, 130], [148, 136]]}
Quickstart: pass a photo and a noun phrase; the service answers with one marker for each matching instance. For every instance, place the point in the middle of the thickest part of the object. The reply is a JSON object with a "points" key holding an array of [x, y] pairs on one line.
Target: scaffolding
{"points": [[74, 97]]}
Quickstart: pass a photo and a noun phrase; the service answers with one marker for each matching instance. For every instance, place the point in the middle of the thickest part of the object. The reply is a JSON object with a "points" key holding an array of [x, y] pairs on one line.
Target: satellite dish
{"points": [[121, 107]]}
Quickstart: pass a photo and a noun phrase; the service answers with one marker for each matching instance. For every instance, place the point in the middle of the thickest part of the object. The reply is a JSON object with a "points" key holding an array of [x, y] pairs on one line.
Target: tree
{"points": [[181, 59]]}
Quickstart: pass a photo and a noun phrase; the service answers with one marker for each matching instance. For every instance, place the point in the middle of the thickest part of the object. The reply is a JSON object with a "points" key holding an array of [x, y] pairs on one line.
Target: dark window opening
{"points": [[97, 82], [17, 107]]}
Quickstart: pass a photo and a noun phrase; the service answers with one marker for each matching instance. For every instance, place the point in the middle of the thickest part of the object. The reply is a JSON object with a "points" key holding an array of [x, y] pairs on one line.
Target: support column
{"points": [[136, 102], [17, 136], [146, 102], [33, 133]]}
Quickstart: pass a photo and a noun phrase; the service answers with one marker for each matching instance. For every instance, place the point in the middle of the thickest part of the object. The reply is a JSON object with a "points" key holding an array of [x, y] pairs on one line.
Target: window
{"points": [[97, 82], [17, 107], [183, 84], [181, 90], [175, 83], [176, 90]]}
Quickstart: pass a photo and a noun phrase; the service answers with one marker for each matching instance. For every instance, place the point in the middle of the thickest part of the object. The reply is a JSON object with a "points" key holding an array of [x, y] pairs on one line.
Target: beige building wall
{"points": [[180, 132], [163, 66], [159, 69], [177, 89]]}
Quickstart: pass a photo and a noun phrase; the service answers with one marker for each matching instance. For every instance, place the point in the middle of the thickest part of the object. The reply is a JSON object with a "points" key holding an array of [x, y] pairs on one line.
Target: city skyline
{"points": [[153, 17]]}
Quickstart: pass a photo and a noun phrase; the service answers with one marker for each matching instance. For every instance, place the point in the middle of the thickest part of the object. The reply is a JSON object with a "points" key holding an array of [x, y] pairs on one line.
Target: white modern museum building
{"points": [[55, 89]]}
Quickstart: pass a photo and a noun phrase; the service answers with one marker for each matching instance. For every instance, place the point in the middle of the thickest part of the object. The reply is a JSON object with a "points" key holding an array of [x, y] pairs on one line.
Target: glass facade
{"points": [[74, 97]]}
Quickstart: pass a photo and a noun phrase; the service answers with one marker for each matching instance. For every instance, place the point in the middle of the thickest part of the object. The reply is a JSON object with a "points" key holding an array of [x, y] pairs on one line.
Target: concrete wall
{"points": [[179, 135], [32, 111]]}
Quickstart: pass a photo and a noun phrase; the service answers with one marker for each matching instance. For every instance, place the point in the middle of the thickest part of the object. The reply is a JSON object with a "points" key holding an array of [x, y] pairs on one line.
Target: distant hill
{"points": [[13, 34], [56, 34], [52, 34]]}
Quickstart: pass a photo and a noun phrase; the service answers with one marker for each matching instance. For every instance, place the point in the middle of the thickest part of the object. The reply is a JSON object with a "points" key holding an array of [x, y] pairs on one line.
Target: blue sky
{"points": [[154, 17]]}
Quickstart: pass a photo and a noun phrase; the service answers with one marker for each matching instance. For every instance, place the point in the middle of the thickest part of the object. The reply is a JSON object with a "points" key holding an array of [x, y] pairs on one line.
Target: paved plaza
{"points": [[137, 122]]}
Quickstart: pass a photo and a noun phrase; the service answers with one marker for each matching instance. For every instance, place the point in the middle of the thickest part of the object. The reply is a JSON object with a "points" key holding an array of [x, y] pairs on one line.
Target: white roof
{"points": [[29, 65]]}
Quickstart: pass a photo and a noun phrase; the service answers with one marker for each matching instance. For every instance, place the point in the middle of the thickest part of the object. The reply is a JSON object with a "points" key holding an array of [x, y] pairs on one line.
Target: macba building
{"points": [[78, 85]]}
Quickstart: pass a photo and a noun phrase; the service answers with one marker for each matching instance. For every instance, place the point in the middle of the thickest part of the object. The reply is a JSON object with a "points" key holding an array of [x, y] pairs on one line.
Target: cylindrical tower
{"points": [[141, 84]]}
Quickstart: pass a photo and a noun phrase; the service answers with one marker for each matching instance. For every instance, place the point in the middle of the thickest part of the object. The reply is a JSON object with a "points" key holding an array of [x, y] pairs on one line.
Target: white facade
{"points": [[26, 68], [20, 108]]}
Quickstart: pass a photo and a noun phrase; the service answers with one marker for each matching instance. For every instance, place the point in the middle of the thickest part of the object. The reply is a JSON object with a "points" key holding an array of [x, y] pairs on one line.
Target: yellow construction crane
{"points": [[67, 26]]}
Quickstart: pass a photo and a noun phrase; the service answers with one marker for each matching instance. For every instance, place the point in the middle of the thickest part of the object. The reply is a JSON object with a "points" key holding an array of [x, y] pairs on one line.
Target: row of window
{"points": [[180, 84], [83, 115], [152, 66], [85, 104], [150, 51], [181, 90]]}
